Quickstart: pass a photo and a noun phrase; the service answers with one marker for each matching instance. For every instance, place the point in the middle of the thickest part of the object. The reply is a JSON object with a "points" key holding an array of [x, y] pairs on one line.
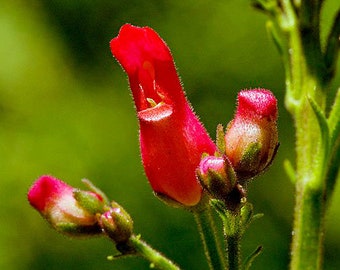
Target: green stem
{"points": [[307, 241], [309, 214], [232, 235], [211, 244], [156, 259], [233, 251], [306, 79]]}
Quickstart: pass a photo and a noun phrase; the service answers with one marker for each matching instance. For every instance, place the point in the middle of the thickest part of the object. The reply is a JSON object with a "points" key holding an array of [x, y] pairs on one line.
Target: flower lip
{"points": [[152, 74], [156, 113]]}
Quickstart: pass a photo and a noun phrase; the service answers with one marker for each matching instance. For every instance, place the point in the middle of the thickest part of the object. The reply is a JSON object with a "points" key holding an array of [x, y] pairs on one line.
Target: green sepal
{"points": [[248, 216], [249, 260], [88, 201], [220, 141], [251, 155], [119, 228], [220, 208], [95, 189], [247, 213], [169, 201]]}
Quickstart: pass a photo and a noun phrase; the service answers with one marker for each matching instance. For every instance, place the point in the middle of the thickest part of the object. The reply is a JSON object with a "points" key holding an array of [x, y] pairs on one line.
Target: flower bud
{"points": [[117, 224], [252, 137], [217, 176], [56, 202]]}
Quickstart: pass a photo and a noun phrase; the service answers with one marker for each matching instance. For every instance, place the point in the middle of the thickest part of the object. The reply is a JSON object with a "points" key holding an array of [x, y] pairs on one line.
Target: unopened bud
{"points": [[217, 176], [252, 137], [117, 224], [56, 202]]}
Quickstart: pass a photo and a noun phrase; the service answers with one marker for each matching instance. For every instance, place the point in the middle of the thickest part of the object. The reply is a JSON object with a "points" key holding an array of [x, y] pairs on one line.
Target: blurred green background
{"points": [[65, 110]]}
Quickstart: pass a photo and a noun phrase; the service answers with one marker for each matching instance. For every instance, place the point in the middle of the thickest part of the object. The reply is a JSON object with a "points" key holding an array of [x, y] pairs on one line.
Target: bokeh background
{"points": [[65, 110]]}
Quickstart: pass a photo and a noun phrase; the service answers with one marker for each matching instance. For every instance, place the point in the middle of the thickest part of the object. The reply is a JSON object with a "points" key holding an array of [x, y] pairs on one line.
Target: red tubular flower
{"points": [[172, 139], [55, 201], [252, 137]]}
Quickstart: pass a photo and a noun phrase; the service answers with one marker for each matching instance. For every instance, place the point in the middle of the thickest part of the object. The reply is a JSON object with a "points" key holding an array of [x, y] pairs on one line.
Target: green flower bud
{"points": [[117, 224], [217, 176]]}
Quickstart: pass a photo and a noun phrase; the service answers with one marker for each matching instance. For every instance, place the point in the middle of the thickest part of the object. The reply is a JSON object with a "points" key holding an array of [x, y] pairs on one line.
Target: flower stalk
{"points": [[212, 247], [156, 259]]}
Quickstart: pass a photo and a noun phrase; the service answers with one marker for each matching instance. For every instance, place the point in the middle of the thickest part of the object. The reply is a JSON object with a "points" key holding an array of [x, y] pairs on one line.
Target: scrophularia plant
{"points": [[187, 169]]}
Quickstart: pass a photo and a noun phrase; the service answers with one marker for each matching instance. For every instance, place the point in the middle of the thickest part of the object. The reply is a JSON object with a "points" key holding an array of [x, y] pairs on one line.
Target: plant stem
{"points": [[156, 259], [233, 251], [308, 228], [309, 71], [305, 68], [232, 234], [211, 244]]}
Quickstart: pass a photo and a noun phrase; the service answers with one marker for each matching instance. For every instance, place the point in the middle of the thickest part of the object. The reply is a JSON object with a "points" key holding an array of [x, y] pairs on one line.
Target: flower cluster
{"points": [[172, 139], [76, 212]]}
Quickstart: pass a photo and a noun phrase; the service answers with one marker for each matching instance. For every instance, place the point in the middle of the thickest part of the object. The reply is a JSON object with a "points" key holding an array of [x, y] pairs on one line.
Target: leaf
{"points": [[290, 171], [322, 155], [323, 124], [249, 260], [333, 46], [334, 120]]}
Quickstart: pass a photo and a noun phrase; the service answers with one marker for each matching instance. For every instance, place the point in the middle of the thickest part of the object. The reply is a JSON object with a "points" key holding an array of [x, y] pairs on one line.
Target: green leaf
{"points": [[220, 141], [264, 5], [322, 121], [249, 260], [322, 155], [334, 120], [273, 32], [290, 171], [333, 46], [257, 216]]}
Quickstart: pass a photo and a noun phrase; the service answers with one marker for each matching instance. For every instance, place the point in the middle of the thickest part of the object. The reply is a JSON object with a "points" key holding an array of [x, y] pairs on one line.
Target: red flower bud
{"points": [[217, 176], [252, 137], [172, 139], [55, 201]]}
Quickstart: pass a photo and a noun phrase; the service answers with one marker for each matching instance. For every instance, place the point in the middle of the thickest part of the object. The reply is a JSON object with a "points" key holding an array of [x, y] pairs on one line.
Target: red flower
{"points": [[55, 200], [252, 137], [172, 139]]}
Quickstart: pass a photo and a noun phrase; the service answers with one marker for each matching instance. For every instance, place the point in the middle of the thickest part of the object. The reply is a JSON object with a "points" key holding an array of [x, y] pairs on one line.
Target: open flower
{"points": [[172, 139], [252, 138], [56, 201]]}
